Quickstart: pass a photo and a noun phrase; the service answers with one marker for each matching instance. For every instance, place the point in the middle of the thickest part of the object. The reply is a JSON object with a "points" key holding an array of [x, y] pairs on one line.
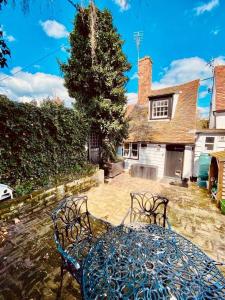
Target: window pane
{"points": [[209, 146], [134, 153], [160, 108], [209, 139], [126, 149], [134, 146]]}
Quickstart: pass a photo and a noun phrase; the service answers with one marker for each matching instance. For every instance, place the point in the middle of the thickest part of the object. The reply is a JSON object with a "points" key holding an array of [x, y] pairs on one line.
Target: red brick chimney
{"points": [[144, 79]]}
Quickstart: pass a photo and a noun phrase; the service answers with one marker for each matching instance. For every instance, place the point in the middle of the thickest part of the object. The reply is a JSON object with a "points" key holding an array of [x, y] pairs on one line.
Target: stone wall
{"points": [[39, 200]]}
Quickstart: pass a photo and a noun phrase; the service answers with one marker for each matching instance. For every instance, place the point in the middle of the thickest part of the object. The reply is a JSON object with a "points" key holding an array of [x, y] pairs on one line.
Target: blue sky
{"points": [[181, 36]]}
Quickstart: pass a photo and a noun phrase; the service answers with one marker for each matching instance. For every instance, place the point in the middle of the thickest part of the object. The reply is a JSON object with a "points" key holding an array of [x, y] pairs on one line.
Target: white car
{"points": [[5, 192]]}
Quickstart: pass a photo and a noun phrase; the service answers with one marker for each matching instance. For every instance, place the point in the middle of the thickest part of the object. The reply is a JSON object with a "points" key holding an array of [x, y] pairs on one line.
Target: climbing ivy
{"points": [[39, 142]]}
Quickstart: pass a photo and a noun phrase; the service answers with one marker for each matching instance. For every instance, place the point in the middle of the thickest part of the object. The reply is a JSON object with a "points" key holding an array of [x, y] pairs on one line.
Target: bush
{"points": [[39, 142]]}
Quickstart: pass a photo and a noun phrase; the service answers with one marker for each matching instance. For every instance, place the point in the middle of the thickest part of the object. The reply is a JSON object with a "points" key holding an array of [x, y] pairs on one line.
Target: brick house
{"points": [[162, 128]]}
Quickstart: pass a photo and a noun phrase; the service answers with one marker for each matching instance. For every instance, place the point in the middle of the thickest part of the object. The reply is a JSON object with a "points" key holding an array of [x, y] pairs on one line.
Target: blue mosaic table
{"points": [[149, 262]]}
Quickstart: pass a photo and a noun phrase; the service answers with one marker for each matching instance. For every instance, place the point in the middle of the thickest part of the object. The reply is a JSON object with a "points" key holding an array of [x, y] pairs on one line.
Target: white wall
{"points": [[219, 145], [220, 120], [153, 155], [188, 162]]}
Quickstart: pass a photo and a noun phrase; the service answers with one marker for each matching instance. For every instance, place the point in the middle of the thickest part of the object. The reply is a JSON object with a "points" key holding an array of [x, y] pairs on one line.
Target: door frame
{"points": [[166, 157]]}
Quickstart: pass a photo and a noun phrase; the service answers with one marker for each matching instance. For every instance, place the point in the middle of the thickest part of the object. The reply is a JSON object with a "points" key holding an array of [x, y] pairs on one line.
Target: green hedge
{"points": [[39, 142]]}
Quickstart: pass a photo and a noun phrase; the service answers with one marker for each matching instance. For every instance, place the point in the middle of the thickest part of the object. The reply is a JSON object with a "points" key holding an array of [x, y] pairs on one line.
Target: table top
{"points": [[144, 261]]}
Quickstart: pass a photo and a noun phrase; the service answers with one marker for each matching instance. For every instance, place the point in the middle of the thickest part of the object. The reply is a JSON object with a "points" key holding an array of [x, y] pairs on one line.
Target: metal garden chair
{"points": [[147, 208], [75, 231]]}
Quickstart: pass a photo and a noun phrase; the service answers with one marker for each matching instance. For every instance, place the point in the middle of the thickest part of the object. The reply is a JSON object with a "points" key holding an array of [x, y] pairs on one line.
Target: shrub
{"points": [[39, 142]]}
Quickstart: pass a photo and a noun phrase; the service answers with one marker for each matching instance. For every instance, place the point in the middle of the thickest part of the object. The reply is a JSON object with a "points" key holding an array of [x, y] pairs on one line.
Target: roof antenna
{"points": [[138, 37], [211, 64]]}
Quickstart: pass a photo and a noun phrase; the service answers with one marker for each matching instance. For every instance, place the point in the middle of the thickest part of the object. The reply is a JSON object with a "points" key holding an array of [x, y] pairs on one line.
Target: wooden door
{"points": [[94, 148], [174, 161]]}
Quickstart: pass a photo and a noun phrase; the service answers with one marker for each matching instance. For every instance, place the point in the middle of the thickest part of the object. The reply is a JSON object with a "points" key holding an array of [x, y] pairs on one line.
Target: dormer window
{"points": [[160, 107]]}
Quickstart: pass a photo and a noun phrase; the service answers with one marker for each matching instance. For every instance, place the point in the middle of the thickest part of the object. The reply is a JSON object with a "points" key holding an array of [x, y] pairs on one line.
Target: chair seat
{"points": [[79, 250]]}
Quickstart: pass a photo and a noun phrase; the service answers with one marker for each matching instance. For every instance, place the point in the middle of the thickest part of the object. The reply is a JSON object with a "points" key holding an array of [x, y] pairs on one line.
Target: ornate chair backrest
{"points": [[148, 208], [71, 221]]}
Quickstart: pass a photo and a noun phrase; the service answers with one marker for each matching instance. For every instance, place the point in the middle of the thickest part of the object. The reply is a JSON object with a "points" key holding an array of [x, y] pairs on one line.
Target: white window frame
{"points": [[131, 150], [128, 155], [209, 143], [158, 104]]}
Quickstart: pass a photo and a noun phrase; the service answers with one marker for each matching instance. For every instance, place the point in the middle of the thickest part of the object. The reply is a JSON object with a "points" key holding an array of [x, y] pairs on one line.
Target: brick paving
{"points": [[191, 211], [29, 264]]}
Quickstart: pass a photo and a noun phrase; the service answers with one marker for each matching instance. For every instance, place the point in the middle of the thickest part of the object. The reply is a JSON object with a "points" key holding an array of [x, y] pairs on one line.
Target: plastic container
{"points": [[222, 205], [203, 170], [202, 183]]}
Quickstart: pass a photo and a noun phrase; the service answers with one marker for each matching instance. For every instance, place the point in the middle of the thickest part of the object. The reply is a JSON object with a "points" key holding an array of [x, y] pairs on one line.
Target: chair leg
{"points": [[59, 292]]}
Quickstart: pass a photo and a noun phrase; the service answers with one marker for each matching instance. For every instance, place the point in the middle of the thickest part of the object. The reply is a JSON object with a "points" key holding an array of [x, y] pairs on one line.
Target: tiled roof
{"points": [[219, 75], [180, 129], [220, 155]]}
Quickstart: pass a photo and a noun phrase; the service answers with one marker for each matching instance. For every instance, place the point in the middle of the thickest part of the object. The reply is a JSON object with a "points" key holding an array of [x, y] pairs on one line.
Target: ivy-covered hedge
{"points": [[39, 142]]}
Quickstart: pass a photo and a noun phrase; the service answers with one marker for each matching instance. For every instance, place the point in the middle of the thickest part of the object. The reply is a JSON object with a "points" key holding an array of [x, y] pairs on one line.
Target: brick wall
{"points": [[144, 79], [39, 200]]}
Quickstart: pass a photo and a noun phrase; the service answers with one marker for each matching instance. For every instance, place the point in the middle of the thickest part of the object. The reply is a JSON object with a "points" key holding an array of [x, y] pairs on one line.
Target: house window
{"points": [[222, 139], [160, 109], [209, 143], [130, 150], [134, 150], [144, 145], [126, 150]]}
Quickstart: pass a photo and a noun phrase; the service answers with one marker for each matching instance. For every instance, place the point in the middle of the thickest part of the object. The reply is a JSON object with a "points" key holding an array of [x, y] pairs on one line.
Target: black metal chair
{"points": [[75, 231], [148, 208]]}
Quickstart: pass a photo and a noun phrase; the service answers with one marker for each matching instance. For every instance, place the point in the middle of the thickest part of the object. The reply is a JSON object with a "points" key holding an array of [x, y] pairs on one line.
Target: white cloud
{"points": [[132, 98], [203, 112], [15, 70], [203, 94], [123, 4], [54, 29], [187, 69], [206, 7], [7, 37], [134, 76], [25, 86], [215, 31]]}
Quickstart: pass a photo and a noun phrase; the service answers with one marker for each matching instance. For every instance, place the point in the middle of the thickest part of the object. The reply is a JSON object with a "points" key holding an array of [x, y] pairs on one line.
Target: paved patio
{"points": [[191, 211], [30, 264]]}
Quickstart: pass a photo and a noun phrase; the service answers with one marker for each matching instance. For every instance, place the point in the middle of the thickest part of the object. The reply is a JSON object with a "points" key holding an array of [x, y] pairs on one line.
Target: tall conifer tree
{"points": [[95, 76]]}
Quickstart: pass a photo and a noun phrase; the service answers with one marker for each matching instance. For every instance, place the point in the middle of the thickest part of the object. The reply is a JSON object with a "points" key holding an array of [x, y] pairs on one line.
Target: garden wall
{"points": [[37, 201]]}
